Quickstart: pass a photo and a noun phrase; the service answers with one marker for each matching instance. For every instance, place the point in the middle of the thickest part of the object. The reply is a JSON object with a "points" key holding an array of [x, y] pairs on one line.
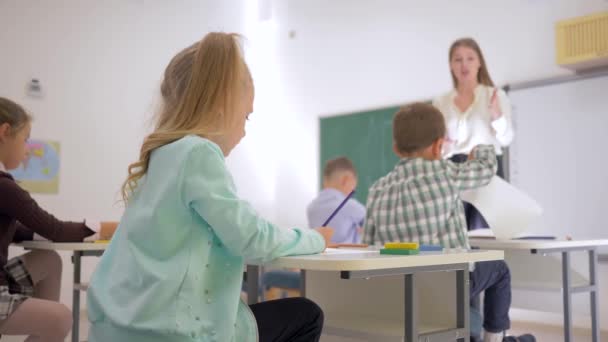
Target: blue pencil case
{"points": [[430, 248]]}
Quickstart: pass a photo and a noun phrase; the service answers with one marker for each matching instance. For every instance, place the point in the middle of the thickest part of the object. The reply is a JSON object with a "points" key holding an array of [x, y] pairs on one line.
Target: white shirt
{"points": [[475, 126]]}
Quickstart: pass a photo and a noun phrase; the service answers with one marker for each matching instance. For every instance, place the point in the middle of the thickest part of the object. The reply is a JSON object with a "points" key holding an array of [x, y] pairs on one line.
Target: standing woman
{"points": [[475, 111]]}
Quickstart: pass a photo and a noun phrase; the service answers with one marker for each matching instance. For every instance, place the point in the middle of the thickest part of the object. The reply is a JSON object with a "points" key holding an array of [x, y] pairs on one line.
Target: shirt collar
{"points": [[2, 168], [476, 91], [332, 192], [476, 95]]}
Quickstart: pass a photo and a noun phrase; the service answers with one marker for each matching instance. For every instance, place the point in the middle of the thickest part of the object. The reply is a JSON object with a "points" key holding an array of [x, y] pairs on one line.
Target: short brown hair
{"points": [[417, 126], [13, 114], [338, 164]]}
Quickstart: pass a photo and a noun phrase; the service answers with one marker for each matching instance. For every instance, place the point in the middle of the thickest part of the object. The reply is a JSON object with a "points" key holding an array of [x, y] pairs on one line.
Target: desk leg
{"points": [[595, 330], [411, 324], [567, 294], [76, 297], [303, 283], [253, 282], [462, 304]]}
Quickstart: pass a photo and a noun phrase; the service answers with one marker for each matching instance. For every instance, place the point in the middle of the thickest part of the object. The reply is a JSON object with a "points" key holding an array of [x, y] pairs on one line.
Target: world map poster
{"points": [[39, 173]]}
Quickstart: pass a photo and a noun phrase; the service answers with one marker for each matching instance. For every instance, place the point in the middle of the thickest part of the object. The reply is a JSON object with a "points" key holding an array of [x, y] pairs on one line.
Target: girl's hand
{"points": [[327, 233]]}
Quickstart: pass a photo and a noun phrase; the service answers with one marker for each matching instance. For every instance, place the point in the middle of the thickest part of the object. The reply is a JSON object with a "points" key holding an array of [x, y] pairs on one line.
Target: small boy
{"points": [[339, 179], [419, 200]]}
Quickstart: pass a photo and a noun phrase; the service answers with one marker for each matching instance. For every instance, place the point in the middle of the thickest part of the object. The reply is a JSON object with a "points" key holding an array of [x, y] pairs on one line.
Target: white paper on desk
{"points": [[347, 251], [508, 211]]}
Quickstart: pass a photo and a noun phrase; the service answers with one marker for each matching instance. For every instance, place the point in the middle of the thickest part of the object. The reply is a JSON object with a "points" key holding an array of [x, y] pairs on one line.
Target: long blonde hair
{"points": [[198, 94], [483, 76]]}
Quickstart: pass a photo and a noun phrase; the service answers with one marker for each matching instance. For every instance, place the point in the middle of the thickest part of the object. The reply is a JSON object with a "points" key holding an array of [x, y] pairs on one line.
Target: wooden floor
{"points": [[552, 333], [543, 333]]}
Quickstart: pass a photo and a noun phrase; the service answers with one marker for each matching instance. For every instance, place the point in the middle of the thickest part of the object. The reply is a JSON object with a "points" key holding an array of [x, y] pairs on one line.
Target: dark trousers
{"points": [[289, 320], [494, 278], [474, 218]]}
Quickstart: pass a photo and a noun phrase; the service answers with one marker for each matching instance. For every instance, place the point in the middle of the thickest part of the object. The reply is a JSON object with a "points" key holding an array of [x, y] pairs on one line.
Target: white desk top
{"points": [[370, 259], [63, 246], [535, 244], [331, 260]]}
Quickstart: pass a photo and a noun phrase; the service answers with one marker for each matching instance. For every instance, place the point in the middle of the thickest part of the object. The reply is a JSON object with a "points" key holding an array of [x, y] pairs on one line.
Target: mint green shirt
{"points": [[174, 268]]}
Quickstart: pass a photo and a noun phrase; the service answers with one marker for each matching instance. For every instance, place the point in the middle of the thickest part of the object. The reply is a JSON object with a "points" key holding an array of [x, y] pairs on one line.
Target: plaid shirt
{"points": [[419, 200]]}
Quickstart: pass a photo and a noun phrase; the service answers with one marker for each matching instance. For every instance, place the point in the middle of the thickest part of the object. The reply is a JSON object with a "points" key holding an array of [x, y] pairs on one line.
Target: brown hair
{"points": [[417, 126], [483, 76], [199, 91], [338, 164], [13, 114]]}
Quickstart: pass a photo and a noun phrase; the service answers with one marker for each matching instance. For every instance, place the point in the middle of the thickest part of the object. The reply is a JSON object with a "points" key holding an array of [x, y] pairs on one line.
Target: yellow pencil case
{"points": [[401, 245]]}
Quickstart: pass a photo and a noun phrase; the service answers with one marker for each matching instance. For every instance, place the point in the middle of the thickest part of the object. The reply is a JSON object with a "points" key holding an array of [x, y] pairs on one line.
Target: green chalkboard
{"points": [[364, 137]]}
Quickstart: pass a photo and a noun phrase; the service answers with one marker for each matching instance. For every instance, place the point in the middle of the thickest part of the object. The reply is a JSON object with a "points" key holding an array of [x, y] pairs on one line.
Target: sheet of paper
{"points": [[481, 233], [508, 210], [348, 251]]}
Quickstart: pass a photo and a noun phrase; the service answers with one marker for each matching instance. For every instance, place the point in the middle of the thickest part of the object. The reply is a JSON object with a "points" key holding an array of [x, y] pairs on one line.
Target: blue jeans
{"points": [[494, 278]]}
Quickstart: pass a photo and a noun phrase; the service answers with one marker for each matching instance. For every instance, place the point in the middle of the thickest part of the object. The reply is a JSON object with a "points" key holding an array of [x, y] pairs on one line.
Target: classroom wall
{"points": [[343, 56], [347, 56], [100, 64]]}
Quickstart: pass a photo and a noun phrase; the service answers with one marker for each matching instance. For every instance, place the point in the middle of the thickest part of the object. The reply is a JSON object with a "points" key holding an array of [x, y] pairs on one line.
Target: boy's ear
{"points": [[438, 147], [396, 150], [343, 178]]}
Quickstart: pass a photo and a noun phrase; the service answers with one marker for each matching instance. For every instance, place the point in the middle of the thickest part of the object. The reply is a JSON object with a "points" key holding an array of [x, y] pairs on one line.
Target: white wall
{"points": [[100, 64], [354, 55]]}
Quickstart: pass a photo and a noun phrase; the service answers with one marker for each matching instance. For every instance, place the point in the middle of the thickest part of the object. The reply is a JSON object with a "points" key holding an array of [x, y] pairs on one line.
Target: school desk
{"points": [[386, 297], [78, 250], [567, 286]]}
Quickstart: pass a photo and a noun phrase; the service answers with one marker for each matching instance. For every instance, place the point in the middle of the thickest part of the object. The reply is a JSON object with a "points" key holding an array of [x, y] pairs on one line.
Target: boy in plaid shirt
{"points": [[419, 200]]}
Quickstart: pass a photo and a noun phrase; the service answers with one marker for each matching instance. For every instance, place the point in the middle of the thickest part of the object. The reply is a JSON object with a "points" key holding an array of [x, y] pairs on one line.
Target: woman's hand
{"points": [[495, 106]]}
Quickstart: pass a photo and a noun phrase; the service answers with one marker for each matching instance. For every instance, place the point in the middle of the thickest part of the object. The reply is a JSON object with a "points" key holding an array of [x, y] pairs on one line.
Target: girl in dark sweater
{"points": [[30, 283]]}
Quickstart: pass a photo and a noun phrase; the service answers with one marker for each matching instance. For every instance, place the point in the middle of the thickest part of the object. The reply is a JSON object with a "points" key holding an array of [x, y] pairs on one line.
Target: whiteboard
{"points": [[560, 155]]}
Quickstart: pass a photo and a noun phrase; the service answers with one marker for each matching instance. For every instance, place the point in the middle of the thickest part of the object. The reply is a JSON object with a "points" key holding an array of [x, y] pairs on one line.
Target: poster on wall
{"points": [[39, 173]]}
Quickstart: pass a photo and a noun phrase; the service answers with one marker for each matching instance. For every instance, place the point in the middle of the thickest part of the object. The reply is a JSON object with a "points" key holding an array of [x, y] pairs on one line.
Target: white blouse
{"points": [[475, 126]]}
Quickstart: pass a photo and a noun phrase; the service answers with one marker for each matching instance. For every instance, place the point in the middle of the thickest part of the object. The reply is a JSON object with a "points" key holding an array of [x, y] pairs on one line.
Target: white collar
{"points": [[2, 168]]}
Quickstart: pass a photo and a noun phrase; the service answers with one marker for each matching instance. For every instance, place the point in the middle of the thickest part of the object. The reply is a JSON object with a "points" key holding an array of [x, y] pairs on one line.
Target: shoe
{"points": [[522, 338]]}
